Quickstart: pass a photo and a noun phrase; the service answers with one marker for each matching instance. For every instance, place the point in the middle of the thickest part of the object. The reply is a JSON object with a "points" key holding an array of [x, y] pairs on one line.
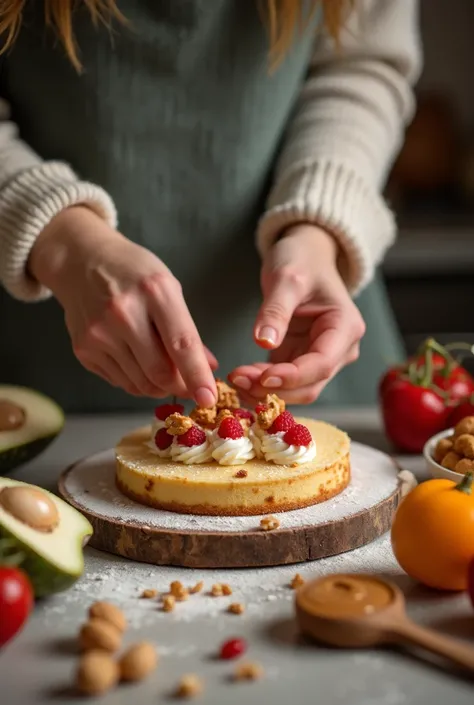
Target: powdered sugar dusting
{"points": [[91, 483]]}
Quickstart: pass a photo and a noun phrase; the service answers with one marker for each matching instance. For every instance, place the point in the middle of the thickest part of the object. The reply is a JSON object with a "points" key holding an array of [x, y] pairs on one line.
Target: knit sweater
{"points": [[177, 134]]}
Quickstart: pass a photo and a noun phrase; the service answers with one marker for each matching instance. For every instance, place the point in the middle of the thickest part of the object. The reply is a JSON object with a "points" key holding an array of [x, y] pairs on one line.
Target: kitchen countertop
{"points": [[37, 668]]}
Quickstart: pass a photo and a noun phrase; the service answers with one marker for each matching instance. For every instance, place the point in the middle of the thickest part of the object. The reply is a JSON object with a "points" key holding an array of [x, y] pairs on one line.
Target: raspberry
{"points": [[163, 440], [162, 412], [194, 437], [298, 435], [233, 648], [283, 422], [230, 428], [260, 407], [243, 414]]}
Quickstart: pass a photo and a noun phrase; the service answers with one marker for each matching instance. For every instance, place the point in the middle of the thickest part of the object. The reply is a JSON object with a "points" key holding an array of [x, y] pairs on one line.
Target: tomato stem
{"points": [[466, 483]]}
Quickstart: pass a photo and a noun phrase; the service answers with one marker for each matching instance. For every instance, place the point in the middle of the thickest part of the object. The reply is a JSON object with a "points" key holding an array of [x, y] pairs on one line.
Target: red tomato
{"points": [[16, 602], [459, 412], [412, 414]]}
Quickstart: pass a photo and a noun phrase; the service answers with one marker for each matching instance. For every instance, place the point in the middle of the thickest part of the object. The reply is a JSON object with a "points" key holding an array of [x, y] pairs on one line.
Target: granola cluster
{"points": [[177, 424], [273, 407]]}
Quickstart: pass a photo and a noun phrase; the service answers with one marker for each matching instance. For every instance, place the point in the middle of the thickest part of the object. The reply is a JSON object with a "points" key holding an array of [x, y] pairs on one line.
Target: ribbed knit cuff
{"points": [[27, 205], [331, 196]]}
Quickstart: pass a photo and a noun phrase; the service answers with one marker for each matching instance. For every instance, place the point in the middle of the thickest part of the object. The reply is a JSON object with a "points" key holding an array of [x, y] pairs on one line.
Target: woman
{"points": [[220, 171]]}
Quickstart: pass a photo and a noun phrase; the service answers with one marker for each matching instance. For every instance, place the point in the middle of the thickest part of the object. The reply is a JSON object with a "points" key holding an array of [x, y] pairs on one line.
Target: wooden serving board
{"points": [[360, 514]]}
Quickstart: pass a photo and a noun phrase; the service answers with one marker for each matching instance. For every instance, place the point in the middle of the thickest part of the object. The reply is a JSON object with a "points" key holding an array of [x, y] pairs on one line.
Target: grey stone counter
{"points": [[37, 668]]}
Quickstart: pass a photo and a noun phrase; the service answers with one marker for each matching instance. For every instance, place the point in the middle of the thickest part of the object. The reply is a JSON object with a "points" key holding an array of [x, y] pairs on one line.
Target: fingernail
{"points": [[268, 335], [273, 382], [242, 382], [204, 397]]}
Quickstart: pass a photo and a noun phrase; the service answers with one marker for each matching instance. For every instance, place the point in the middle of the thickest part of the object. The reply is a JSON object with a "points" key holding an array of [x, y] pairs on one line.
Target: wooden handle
{"points": [[456, 651]]}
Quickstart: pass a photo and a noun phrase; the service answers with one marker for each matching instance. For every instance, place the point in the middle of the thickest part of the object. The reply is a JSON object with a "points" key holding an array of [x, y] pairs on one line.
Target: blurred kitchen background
{"points": [[430, 271]]}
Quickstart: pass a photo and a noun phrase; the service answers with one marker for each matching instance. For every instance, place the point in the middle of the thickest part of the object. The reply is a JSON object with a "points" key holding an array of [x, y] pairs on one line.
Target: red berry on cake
{"points": [[298, 435], [283, 422], [230, 427], [243, 414], [163, 440], [194, 436], [162, 412], [260, 407]]}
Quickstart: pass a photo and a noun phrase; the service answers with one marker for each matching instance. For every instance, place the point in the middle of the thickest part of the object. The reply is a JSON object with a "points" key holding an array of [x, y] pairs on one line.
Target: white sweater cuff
{"points": [[27, 204], [333, 197]]}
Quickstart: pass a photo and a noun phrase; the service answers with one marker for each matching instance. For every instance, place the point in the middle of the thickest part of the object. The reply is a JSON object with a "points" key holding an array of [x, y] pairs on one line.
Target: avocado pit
{"points": [[31, 506], [12, 416]]}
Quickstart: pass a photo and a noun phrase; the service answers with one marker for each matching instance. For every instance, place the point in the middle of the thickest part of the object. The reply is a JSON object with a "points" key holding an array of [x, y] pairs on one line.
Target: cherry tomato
{"points": [[459, 412], [16, 602]]}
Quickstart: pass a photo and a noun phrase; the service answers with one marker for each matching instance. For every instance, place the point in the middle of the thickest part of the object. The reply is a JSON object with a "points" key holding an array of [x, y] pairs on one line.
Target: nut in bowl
{"points": [[450, 453]]}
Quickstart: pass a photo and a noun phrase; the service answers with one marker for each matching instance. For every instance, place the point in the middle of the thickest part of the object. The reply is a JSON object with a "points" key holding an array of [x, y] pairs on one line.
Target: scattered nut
{"points": [[110, 613], [149, 594], [169, 602], [216, 590], [443, 447], [138, 661], [248, 671], [226, 589], [450, 460], [465, 465], [178, 591], [297, 581], [189, 686], [99, 634], [236, 608], [464, 445], [177, 424], [466, 425], [96, 674], [197, 588], [269, 523]]}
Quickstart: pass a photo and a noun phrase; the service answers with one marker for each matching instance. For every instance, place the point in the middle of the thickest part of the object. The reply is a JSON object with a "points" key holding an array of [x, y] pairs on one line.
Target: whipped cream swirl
{"points": [[275, 449], [191, 455], [232, 451]]}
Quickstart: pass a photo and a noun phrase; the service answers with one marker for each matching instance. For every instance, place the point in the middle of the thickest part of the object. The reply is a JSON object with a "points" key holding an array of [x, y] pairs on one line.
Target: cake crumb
{"points": [[226, 589], [236, 608], [149, 594], [189, 686], [178, 591], [269, 523], [297, 581], [196, 588], [216, 590], [248, 672], [241, 473], [169, 602]]}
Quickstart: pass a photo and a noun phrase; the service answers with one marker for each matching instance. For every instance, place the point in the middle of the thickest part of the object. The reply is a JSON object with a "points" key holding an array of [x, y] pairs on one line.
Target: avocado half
{"points": [[43, 421], [53, 557]]}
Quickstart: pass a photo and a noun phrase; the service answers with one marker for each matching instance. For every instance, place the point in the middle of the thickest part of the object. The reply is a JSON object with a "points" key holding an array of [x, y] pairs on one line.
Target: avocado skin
{"points": [[12, 458], [45, 578]]}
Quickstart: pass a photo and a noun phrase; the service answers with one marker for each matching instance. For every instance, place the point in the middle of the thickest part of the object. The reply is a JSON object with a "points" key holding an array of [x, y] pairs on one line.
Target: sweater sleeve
{"points": [[32, 192], [346, 131]]}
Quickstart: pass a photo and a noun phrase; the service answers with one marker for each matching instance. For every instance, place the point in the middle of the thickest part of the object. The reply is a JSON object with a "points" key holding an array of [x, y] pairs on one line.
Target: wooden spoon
{"points": [[364, 610]]}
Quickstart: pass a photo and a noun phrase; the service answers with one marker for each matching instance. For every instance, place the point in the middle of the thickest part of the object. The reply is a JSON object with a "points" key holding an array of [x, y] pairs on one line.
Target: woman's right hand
{"points": [[124, 310]]}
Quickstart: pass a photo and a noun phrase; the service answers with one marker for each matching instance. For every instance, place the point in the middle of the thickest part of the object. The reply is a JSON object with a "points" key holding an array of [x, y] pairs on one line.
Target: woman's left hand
{"points": [[307, 319]]}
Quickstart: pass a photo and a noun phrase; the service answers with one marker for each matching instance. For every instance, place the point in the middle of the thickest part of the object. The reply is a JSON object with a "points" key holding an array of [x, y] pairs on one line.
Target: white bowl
{"points": [[434, 468]]}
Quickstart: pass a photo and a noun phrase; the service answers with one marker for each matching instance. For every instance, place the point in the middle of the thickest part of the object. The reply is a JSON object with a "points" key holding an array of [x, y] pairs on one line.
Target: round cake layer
{"points": [[256, 487]]}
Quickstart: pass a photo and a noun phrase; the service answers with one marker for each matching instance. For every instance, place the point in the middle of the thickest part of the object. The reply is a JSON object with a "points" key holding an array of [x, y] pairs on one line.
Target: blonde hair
{"points": [[282, 17]]}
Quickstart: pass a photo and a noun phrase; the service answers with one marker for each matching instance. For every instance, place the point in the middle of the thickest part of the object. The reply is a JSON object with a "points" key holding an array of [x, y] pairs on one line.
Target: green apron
{"points": [[178, 119]]}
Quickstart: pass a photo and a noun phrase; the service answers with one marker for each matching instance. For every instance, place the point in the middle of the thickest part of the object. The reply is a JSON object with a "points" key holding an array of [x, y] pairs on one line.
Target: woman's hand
{"points": [[124, 310], [307, 319]]}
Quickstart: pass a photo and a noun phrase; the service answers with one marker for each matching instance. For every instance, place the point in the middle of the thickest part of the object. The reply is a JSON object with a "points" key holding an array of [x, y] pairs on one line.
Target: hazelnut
{"points": [[99, 634], [138, 662], [450, 460], [109, 613], [248, 671], [464, 445], [96, 674], [443, 447], [466, 425], [189, 686], [297, 581], [465, 465]]}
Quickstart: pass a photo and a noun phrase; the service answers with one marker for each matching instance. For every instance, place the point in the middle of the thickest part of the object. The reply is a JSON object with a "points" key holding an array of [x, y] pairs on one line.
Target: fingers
{"points": [[283, 293], [212, 360], [244, 376], [180, 338]]}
